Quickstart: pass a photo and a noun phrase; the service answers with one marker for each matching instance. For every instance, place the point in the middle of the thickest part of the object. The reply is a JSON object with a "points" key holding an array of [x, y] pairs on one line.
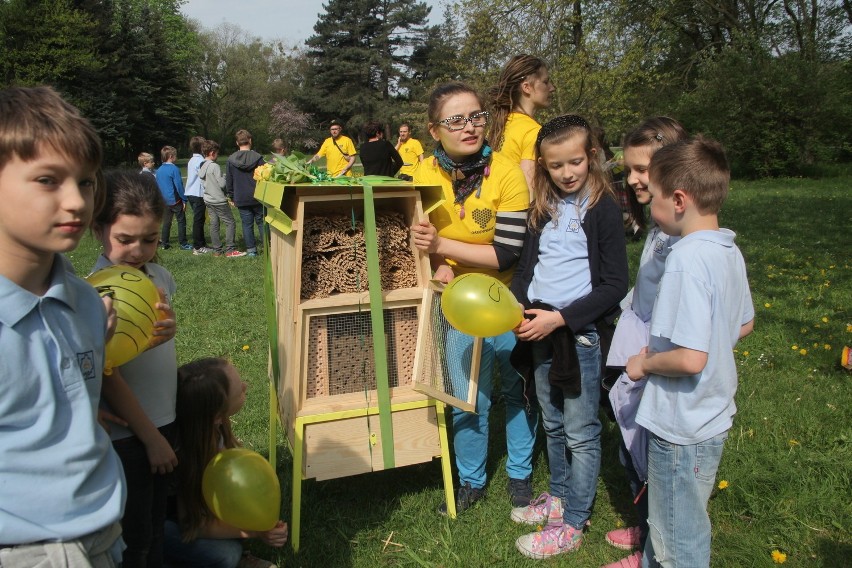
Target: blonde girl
{"points": [[479, 229], [210, 391], [632, 332], [522, 90], [570, 278]]}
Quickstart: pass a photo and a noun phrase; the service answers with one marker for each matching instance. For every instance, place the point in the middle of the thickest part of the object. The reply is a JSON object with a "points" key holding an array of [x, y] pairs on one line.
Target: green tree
{"points": [[360, 58]]}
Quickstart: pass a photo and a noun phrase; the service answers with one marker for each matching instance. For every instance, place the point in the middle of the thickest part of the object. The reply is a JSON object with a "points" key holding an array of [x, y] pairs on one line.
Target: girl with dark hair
{"points": [[142, 391], [209, 392], [378, 156]]}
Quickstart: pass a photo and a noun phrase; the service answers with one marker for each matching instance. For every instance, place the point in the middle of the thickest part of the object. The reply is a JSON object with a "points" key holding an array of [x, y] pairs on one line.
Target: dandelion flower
{"points": [[793, 442], [803, 351], [767, 305], [827, 347], [824, 319], [245, 347], [745, 353], [794, 347], [723, 484], [779, 557]]}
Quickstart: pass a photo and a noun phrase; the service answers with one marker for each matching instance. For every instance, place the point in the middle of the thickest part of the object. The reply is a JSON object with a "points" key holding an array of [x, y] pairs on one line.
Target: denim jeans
{"points": [[198, 210], [175, 210], [145, 511], [251, 215], [201, 552], [680, 480], [470, 430], [573, 428], [222, 212]]}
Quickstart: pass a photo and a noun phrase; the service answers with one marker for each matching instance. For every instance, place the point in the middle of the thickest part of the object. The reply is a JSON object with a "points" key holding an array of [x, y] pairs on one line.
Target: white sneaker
{"points": [[545, 510]]}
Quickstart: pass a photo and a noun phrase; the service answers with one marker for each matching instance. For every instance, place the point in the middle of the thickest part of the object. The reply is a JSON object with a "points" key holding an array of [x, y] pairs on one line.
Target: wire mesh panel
{"points": [[447, 363], [340, 351]]}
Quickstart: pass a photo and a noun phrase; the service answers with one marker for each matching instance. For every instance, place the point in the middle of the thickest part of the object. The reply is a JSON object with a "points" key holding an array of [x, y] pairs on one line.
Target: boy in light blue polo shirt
{"points": [[703, 307], [61, 483]]}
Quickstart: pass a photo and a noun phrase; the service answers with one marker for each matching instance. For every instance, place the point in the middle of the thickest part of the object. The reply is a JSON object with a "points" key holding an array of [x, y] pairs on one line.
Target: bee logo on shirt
{"points": [[573, 226], [86, 361], [482, 217]]}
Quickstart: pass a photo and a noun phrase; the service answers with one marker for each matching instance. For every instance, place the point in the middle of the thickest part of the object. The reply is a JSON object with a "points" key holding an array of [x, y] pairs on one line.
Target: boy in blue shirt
{"points": [[703, 307], [62, 489], [171, 186]]}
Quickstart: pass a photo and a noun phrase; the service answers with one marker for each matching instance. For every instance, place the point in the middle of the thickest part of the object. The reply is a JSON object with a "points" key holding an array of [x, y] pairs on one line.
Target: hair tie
{"points": [[659, 137], [559, 123]]}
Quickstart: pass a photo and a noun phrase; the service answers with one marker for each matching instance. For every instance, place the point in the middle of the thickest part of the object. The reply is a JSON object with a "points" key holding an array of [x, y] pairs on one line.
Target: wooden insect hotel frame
{"points": [[348, 296]]}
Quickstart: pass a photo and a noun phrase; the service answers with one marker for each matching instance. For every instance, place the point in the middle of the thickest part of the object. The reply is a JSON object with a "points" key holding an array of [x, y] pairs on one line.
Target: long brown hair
{"points": [[655, 133], [504, 96], [203, 430], [546, 195]]}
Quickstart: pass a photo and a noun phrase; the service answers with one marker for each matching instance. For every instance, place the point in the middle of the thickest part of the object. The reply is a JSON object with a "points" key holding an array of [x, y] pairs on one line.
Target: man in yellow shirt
{"points": [[339, 152], [411, 151]]}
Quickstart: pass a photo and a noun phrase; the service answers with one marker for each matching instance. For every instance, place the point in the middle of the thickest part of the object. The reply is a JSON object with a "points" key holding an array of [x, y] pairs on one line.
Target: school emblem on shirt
{"points": [[659, 245], [482, 217], [573, 226], [86, 361]]}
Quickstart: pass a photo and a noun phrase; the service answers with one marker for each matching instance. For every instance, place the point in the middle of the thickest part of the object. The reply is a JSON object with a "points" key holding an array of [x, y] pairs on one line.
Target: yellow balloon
{"points": [[134, 297], [480, 305], [242, 490]]}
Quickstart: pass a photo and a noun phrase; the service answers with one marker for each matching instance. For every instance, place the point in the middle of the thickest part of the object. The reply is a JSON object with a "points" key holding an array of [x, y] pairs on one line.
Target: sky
{"points": [[289, 20]]}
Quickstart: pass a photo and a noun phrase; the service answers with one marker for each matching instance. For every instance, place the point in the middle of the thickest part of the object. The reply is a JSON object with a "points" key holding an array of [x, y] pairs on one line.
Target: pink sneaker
{"points": [[545, 510], [626, 539], [632, 561], [553, 540]]}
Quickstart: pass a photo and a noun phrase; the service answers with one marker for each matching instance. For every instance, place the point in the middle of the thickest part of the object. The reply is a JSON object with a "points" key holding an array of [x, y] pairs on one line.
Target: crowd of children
{"points": [[115, 460]]}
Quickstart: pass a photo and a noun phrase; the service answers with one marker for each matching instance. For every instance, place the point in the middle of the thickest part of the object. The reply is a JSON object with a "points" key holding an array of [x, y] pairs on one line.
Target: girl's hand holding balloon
{"points": [[276, 536], [164, 329], [425, 236], [538, 324]]}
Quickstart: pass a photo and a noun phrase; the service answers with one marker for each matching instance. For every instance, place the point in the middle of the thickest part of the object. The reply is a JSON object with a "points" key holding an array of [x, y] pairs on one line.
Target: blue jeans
{"points": [[201, 552], [175, 210], [251, 215], [573, 428], [680, 480], [470, 430]]}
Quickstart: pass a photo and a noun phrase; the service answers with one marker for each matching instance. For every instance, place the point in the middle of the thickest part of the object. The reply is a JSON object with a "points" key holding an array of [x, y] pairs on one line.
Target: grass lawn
{"points": [[787, 462]]}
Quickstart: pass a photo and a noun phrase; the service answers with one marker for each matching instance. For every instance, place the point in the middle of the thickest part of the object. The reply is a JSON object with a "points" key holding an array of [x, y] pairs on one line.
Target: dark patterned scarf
{"points": [[473, 170]]}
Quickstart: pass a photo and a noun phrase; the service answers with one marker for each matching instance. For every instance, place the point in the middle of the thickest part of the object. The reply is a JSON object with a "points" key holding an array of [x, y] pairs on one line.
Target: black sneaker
{"points": [[520, 492], [465, 499]]}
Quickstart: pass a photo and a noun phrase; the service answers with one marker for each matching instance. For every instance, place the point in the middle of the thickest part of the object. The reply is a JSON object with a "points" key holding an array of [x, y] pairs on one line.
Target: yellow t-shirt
{"points": [[504, 190], [334, 159], [519, 137], [410, 151]]}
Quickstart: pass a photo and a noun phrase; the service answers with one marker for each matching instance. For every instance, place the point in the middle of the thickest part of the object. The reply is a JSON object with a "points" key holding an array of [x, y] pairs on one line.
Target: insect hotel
{"points": [[355, 332]]}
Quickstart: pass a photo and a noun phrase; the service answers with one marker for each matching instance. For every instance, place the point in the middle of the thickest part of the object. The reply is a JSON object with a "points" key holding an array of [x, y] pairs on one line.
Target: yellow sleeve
{"points": [[514, 194]]}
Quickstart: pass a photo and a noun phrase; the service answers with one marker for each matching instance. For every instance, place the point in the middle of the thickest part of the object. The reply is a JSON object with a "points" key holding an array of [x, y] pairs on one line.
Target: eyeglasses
{"points": [[456, 123]]}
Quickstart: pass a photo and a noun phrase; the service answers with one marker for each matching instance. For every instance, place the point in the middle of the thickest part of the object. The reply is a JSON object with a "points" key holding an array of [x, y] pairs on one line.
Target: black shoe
{"points": [[465, 499], [520, 492]]}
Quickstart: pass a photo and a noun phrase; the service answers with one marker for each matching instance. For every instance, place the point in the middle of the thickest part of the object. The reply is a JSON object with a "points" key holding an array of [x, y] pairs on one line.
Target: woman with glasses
{"points": [[522, 90], [479, 229]]}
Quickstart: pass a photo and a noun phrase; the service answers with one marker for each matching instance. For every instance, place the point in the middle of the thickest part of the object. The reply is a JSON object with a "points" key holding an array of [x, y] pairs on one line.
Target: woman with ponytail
{"points": [[522, 90]]}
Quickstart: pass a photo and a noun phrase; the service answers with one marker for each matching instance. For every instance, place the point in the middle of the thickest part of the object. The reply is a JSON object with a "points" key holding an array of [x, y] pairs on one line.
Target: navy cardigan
{"points": [[604, 229]]}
